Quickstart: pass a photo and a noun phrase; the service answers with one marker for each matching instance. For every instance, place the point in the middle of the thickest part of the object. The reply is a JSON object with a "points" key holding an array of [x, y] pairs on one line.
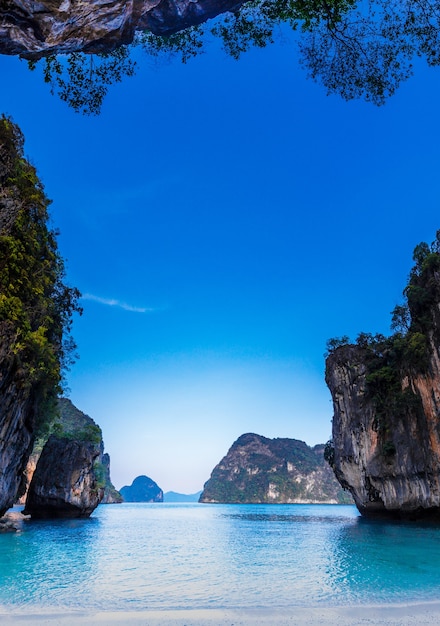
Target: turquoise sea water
{"points": [[191, 556]]}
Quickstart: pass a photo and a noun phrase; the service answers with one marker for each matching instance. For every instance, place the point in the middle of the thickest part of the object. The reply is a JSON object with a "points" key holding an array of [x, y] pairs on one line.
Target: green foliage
{"points": [[389, 449], [329, 453], [401, 318], [255, 23], [406, 353], [100, 474], [91, 433], [82, 80], [355, 49], [423, 290], [36, 306], [185, 45], [388, 361], [72, 423], [336, 342]]}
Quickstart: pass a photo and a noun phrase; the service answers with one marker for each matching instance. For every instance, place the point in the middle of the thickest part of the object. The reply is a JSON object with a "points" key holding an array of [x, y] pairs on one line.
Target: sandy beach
{"points": [[397, 615]]}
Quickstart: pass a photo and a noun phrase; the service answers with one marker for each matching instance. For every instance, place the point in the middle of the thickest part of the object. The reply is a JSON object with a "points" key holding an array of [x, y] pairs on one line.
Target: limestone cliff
{"points": [[386, 399], [35, 29], [74, 424], [111, 495], [65, 483], [35, 312], [261, 470]]}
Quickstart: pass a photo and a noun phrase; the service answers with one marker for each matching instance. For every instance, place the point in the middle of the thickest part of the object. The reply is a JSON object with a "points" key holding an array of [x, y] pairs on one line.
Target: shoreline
{"points": [[414, 614]]}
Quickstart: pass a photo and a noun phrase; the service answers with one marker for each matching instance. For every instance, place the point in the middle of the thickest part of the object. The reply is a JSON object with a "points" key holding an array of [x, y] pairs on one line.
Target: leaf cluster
{"points": [[100, 475], [82, 80], [355, 49]]}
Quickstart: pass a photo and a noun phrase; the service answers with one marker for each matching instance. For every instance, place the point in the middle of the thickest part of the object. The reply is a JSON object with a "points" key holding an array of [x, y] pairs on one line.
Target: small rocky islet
{"points": [[259, 470]]}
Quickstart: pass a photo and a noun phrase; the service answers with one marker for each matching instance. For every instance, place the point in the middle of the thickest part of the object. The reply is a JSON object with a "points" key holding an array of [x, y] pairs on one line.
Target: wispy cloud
{"points": [[116, 303]]}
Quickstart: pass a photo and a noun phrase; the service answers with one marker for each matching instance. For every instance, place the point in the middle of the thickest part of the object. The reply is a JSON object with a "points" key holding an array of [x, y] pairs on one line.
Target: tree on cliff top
{"points": [[389, 360], [355, 49], [36, 306]]}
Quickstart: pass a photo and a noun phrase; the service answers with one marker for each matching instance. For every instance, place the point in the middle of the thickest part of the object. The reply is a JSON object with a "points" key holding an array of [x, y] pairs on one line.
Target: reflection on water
{"points": [[168, 556]]}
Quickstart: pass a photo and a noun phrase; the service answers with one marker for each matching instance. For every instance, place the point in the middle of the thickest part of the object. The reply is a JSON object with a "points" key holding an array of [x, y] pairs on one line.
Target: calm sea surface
{"points": [[190, 556]]}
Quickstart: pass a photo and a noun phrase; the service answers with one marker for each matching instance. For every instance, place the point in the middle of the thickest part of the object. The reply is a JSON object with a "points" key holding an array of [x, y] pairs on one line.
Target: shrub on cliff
{"points": [[390, 359]]}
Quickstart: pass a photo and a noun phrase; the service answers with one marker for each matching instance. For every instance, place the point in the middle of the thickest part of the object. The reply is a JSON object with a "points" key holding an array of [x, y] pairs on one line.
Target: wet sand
{"points": [[396, 615]]}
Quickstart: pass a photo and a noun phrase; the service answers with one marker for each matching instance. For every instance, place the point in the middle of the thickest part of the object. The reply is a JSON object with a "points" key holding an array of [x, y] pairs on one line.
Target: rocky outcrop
{"points": [[33, 29], [386, 400], [111, 495], [13, 521], [17, 419], [142, 489], [391, 472], [75, 424], [29, 471], [261, 470], [65, 484]]}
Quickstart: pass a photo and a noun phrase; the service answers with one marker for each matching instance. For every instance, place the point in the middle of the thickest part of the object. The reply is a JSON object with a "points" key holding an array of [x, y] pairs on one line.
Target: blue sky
{"points": [[224, 219]]}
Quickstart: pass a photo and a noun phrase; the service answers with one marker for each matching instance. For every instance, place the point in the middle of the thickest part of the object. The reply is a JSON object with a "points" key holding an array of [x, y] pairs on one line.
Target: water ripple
{"points": [[137, 557]]}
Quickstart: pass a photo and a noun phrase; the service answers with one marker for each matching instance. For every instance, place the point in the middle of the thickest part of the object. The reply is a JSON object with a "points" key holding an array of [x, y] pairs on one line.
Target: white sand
{"points": [[398, 615]]}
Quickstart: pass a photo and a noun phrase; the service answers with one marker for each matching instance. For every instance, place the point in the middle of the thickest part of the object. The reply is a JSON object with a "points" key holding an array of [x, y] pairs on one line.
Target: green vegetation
{"points": [[389, 360], [355, 49], [74, 424], [100, 475], [329, 453], [36, 306], [82, 80]]}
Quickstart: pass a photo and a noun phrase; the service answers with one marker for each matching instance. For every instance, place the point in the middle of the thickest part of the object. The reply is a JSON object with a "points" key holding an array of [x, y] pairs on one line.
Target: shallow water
{"points": [[191, 556]]}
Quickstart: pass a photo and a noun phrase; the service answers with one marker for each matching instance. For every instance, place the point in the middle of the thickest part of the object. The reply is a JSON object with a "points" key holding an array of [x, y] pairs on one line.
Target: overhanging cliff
{"points": [[33, 30], [386, 399]]}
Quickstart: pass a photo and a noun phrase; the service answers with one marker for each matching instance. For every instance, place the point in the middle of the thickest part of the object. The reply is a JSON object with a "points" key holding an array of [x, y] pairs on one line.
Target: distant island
{"points": [[145, 489], [142, 489], [278, 471], [173, 496]]}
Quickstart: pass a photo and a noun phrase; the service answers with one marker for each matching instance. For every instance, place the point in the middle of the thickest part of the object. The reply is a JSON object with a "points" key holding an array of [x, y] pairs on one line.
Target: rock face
{"points": [[261, 470], [35, 29], [142, 489], [16, 432], [75, 424], [111, 495], [64, 484], [29, 471], [386, 399], [394, 473]]}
